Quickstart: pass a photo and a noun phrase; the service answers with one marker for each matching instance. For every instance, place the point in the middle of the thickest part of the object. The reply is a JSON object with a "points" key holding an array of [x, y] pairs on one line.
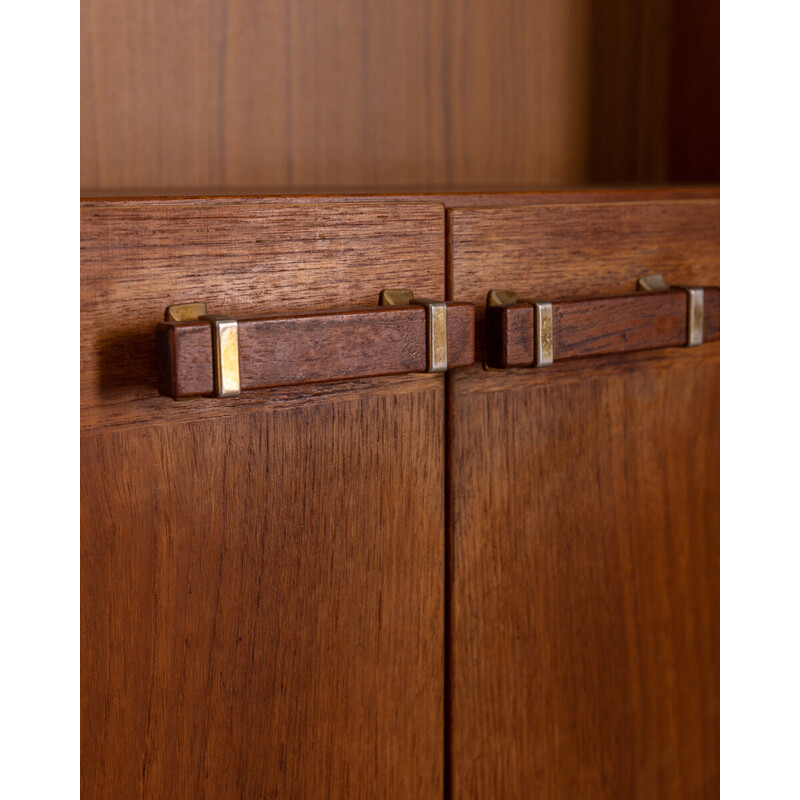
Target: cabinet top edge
{"points": [[448, 199]]}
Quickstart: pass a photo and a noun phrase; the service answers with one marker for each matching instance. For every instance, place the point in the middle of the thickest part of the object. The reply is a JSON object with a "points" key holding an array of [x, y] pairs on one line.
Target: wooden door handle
{"points": [[525, 333], [202, 355]]}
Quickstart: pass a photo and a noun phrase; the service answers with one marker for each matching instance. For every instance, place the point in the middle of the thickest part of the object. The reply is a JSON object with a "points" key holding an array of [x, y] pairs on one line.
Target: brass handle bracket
{"points": [[542, 324], [436, 323], [695, 312], [225, 340]]}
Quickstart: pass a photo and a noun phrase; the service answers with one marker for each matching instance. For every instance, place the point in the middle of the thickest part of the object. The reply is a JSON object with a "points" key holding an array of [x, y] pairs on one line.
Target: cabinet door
{"points": [[583, 550], [262, 604]]}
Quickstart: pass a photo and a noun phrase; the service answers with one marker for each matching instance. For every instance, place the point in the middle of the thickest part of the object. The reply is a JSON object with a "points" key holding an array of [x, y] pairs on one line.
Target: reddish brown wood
{"points": [[218, 196], [262, 594], [262, 603], [308, 253], [460, 334], [509, 336], [629, 66], [563, 251], [584, 603], [245, 258], [584, 523], [597, 326], [306, 348], [711, 316], [353, 95]]}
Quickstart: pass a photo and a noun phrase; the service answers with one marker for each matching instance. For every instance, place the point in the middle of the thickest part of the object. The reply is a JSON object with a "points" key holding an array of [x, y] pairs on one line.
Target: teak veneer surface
{"points": [[262, 578], [263, 605], [584, 607], [556, 250], [583, 565], [253, 257], [218, 196], [354, 95], [243, 255]]}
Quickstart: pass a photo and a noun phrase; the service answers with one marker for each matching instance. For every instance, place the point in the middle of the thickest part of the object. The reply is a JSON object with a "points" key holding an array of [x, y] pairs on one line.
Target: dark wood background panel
{"points": [[263, 604], [243, 260], [628, 109], [405, 94], [693, 111], [584, 567], [341, 95]]}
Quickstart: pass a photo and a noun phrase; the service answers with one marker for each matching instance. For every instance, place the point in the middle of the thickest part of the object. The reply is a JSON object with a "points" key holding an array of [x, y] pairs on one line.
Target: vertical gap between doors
{"points": [[448, 544]]}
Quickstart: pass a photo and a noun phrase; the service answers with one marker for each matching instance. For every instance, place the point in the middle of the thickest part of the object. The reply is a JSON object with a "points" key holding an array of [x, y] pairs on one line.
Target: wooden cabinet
{"points": [[470, 584], [473, 584]]}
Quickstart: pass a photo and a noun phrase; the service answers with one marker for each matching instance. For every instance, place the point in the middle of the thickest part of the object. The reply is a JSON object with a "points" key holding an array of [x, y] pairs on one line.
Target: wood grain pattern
{"points": [[229, 647], [137, 258], [584, 615], [584, 506], [564, 251], [353, 96], [597, 326], [262, 594], [711, 316], [218, 195], [629, 115], [262, 603], [284, 350], [589, 248]]}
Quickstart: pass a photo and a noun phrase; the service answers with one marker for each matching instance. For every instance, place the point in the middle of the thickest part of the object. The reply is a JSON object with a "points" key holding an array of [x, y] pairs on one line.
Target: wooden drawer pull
{"points": [[525, 333], [216, 356]]}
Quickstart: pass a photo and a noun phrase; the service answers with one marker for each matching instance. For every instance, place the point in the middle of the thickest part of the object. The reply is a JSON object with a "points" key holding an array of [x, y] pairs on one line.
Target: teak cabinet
{"points": [[476, 584]]}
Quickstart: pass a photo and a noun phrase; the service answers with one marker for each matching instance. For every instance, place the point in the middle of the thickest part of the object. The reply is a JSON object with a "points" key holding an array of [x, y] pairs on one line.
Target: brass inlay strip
{"points": [[694, 314], [542, 333], [436, 322], [225, 335]]}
